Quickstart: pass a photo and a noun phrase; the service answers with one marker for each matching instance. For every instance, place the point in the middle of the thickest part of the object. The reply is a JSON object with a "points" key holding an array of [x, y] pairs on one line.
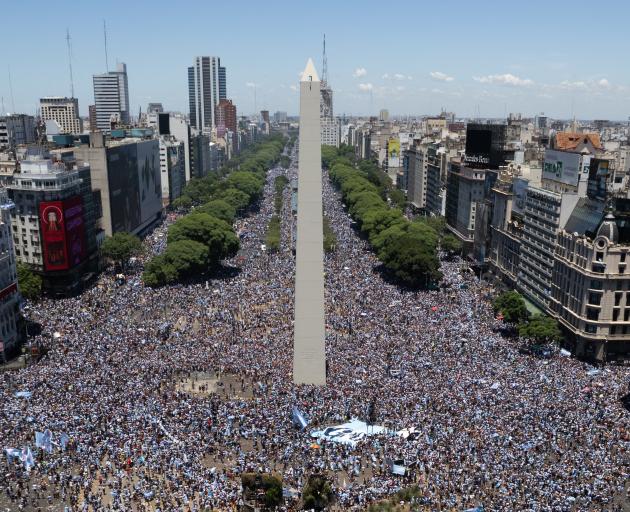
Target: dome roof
{"points": [[608, 228]]}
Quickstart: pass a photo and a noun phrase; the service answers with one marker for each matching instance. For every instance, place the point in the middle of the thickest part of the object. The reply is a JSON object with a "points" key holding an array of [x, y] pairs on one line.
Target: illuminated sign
{"points": [[63, 233]]}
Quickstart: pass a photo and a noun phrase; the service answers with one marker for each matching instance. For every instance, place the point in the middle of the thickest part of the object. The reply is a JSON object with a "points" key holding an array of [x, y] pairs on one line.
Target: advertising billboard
{"points": [[63, 233], [149, 179], [393, 153], [562, 167], [135, 190], [485, 145]]}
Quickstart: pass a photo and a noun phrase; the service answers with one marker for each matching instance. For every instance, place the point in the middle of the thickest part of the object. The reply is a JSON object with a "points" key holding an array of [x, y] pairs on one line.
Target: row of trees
{"points": [[408, 249], [198, 242], [537, 328], [272, 238]]}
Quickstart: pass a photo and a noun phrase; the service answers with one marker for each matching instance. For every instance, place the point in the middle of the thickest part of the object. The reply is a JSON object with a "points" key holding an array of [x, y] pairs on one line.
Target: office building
{"points": [[415, 170], [155, 108], [172, 168], [111, 98], [280, 117], [53, 223], [9, 295], [63, 111], [435, 192], [200, 156], [16, 129], [383, 115], [226, 117], [206, 87], [127, 173]]}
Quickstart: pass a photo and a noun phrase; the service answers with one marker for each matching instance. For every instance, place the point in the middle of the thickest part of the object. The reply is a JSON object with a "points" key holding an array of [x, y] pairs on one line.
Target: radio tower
{"points": [[324, 65], [70, 63]]}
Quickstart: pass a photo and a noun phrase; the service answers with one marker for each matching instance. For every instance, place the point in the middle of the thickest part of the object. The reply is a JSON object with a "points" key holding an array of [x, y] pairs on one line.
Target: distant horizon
{"points": [[510, 66]]}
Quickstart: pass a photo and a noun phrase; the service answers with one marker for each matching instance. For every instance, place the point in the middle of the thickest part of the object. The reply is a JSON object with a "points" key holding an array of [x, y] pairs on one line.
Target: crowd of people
{"points": [[493, 427]]}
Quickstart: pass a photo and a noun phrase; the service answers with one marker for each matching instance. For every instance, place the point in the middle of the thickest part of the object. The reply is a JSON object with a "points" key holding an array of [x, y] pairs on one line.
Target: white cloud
{"points": [[400, 87], [506, 79], [604, 83], [442, 77], [365, 87], [293, 87], [359, 72], [396, 76], [250, 84]]}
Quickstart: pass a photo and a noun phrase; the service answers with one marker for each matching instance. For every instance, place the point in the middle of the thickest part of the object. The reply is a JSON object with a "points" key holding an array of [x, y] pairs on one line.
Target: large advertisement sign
{"points": [[485, 146], [63, 233], [393, 153], [134, 184], [562, 167]]}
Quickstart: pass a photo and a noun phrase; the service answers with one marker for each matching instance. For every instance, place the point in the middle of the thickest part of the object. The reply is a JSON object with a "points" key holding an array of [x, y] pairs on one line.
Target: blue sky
{"points": [[410, 57]]}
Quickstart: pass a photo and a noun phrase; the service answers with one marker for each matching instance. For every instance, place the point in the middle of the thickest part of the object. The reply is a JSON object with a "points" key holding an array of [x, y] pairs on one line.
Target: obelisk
{"points": [[309, 353]]}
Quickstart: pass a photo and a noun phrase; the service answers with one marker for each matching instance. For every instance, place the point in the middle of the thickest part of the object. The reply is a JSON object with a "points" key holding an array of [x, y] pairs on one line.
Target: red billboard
{"points": [[63, 233]]}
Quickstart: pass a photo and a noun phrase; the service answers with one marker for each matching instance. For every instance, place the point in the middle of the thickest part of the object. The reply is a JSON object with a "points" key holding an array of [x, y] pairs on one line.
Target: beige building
{"points": [[64, 111], [591, 291]]}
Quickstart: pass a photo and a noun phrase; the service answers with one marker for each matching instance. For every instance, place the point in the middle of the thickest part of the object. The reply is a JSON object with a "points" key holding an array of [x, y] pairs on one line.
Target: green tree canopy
{"points": [[236, 198], [247, 182], [317, 493], [377, 220], [120, 247], [182, 203], [452, 244], [182, 258], [220, 209], [29, 283], [512, 306], [216, 234], [541, 329], [412, 259]]}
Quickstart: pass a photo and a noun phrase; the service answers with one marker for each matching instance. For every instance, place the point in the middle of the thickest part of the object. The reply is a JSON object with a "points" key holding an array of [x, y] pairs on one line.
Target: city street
{"points": [[495, 428]]}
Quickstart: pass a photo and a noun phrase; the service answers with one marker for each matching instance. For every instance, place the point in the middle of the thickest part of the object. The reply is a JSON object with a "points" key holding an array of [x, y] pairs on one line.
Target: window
{"points": [[619, 284], [592, 314], [595, 298], [599, 256], [622, 257], [615, 316], [617, 298], [626, 315], [596, 285], [590, 328]]}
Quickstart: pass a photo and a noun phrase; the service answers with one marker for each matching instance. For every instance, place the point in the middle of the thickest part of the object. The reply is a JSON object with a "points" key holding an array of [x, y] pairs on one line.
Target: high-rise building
{"points": [[206, 87], [64, 111], [127, 173], [92, 117], [383, 115], [280, 117], [155, 108], [172, 168], [53, 226], [111, 97], [226, 117], [16, 129], [9, 296]]}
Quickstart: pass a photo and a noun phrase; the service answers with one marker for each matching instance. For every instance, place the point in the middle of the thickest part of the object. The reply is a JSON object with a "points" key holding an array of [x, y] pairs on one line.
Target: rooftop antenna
{"points": [[70, 63], [11, 91], [105, 36], [324, 64]]}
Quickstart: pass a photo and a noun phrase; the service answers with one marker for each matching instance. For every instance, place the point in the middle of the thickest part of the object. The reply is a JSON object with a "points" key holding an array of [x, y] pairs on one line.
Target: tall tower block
{"points": [[309, 353]]}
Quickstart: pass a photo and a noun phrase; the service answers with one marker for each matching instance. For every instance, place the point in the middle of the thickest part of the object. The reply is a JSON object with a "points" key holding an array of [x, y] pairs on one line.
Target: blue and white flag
{"points": [[27, 458], [64, 439], [43, 440], [298, 419], [13, 453]]}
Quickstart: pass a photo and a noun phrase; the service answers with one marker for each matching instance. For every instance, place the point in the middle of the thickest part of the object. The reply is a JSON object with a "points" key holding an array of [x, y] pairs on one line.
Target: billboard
{"points": [[63, 233], [562, 167], [485, 145], [135, 190], [393, 153]]}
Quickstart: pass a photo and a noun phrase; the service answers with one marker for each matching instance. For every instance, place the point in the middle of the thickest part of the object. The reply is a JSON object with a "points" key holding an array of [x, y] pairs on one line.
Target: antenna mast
{"points": [[105, 36], [324, 64], [11, 91], [70, 63]]}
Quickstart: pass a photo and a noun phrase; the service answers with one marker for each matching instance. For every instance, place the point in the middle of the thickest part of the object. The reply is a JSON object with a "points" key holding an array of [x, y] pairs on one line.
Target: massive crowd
{"points": [[494, 427]]}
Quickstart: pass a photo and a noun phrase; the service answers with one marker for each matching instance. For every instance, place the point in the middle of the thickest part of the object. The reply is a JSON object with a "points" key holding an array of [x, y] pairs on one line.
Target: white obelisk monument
{"points": [[309, 353]]}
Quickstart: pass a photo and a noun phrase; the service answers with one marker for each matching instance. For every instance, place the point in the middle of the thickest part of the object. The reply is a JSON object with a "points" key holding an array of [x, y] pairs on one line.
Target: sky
{"points": [[485, 58]]}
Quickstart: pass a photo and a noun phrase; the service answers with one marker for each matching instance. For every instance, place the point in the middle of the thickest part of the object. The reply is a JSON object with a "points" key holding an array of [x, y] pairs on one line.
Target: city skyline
{"points": [[485, 60]]}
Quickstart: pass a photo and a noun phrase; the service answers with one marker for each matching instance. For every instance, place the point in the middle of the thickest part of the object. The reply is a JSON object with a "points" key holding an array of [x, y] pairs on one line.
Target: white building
{"points": [[111, 97], [329, 131], [172, 168], [206, 87], [9, 296], [65, 111]]}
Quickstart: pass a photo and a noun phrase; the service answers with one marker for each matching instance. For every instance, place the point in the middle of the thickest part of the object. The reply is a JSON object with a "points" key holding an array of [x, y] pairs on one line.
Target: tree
{"points": [[182, 203], [412, 258], [247, 182], [29, 283], [398, 199], [541, 329], [377, 220], [216, 234], [330, 239], [120, 247], [512, 306], [272, 239], [220, 209], [181, 259], [238, 199], [317, 493], [452, 244]]}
